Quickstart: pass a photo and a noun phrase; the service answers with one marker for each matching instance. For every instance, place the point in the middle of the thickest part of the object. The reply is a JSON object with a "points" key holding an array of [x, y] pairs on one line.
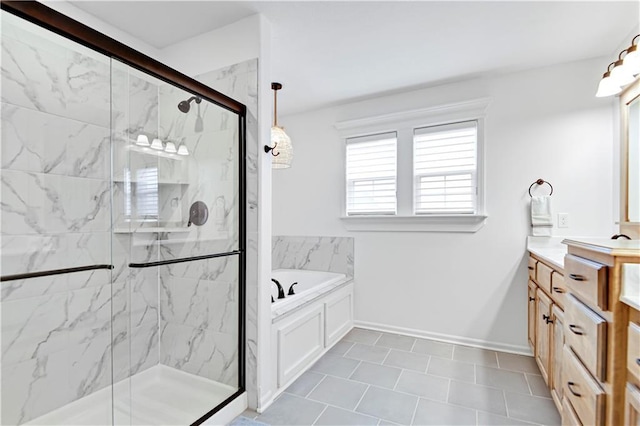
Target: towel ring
{"points": [[540, 182]]}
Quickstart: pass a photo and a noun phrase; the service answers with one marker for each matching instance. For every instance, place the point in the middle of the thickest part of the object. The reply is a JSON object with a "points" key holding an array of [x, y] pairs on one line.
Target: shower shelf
{"points": [[160, 182], [149, 230]]}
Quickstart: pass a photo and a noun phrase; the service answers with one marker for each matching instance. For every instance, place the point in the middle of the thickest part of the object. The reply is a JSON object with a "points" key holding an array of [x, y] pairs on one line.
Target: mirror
{"points": [[630, 161]]}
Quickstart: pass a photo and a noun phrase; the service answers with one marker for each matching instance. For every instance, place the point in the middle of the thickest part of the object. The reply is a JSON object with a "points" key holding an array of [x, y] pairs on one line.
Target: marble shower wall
{"points": [[332, 254], [240, 81], [200, 300], [55, 204]]}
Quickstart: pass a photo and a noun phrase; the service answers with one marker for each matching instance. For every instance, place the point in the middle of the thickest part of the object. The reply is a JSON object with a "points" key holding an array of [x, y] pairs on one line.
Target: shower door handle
{"points": [[53, 272]]}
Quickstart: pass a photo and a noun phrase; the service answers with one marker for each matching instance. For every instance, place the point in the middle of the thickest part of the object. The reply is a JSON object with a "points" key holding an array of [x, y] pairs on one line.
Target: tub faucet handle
{"points": [[291, 292], [280, 289]]}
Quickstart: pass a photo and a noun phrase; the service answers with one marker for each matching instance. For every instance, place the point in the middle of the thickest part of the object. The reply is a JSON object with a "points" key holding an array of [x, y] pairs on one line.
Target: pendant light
{"points": [[281, 148]]}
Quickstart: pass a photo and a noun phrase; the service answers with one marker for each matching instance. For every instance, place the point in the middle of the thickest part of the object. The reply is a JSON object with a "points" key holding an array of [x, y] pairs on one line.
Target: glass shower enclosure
{"points": [[122, 232]]}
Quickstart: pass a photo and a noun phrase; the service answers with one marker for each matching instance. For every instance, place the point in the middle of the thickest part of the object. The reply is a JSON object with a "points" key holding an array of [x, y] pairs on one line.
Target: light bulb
{"points": [[607, 86], [170, 147], [182, 150], [142, 140], [620, 74], [632, 60], [157, 144]]}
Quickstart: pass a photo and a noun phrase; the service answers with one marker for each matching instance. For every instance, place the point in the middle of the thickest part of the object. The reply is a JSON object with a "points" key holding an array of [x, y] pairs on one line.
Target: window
{"points": [[444, 168], [418, 170], [145, 195], [371, 175]]}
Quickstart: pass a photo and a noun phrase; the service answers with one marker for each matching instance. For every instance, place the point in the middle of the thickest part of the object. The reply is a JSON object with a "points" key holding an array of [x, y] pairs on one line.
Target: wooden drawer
{"points": [[532, 268], [543, 276], [569, 416], [583, 392], [585, 333], [632, 406], [588, 279], [633, 351], [558, 289]]}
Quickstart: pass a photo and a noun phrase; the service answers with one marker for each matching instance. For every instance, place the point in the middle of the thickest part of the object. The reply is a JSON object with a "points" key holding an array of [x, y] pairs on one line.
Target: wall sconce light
{"points": [[142, 140], [182, 150], [624, 71], [157, 144], [281, 148], [170, 147]]}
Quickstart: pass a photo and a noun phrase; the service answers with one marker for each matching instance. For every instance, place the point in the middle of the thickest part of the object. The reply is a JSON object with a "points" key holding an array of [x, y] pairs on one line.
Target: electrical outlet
{"points": [[563, 220]]}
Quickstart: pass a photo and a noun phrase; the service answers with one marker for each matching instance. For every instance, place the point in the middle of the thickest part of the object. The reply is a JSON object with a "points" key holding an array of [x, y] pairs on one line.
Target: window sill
{"points": [[431, 223]]}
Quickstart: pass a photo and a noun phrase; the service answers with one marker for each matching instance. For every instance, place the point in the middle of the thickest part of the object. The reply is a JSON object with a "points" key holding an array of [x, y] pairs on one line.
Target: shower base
{"points": [[160, 395]]}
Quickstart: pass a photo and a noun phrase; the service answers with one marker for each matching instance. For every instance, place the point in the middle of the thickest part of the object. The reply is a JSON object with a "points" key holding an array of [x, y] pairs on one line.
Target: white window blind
{"points": [[445, 168], [147, 193], [371, 174]]}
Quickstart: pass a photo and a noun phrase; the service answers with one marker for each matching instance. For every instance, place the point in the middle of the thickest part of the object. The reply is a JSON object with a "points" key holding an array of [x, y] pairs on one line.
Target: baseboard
{"points": [[447, 338]]}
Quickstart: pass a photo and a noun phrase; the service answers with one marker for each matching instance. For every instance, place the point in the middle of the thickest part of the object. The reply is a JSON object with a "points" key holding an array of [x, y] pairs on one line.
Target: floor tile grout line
{"points": [[526, 379], [386, 356], [415, 340], [504, 397], [448, 391], [426, 370], [477, 418], [321, 413], [361, 398], [415, 410], [398, 379], [314, 388]]}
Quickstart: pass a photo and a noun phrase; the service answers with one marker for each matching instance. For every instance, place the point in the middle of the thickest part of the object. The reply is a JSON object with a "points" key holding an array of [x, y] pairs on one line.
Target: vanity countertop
{"points": [[549, 249]]}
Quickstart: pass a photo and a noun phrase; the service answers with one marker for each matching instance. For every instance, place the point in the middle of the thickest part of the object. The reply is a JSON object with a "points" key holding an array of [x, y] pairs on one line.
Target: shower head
{"points": [[185, 106]]}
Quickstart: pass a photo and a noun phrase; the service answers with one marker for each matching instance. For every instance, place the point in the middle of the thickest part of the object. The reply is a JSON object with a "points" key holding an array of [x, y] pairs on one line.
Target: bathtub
{"points": [[306, 325], [311, 285]]}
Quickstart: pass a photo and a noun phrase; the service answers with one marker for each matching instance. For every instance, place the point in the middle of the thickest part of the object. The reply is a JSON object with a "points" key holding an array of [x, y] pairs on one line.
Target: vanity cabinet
{"points": [[543, 334], [632, 390], [546, 292], [598, 378]]}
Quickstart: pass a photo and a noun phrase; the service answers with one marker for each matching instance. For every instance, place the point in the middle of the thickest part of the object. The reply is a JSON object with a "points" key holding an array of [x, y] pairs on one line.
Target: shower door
{"points": [[177, 235], [122, 226]]}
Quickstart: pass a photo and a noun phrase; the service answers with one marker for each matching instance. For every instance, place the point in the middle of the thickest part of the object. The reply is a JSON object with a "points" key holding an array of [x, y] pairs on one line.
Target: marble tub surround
{"points": [[549, 249], [332, 254]]}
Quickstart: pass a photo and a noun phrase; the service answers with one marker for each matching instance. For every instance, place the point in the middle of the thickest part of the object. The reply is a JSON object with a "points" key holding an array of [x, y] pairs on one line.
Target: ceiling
{"points": [[328, 53]]}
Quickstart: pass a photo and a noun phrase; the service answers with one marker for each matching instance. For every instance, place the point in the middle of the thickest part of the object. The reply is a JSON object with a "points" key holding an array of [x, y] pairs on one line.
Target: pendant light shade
{"points": [[281, 148], [182, 150], [281, 143], [170, 147]]}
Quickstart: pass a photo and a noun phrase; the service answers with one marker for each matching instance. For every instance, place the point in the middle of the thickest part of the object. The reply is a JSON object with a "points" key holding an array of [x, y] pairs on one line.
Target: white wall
{"points": [[544, 123]]}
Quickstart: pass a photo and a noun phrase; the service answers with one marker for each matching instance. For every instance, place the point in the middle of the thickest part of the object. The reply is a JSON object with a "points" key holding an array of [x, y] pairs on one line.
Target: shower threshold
{"points": [[160, 395]]}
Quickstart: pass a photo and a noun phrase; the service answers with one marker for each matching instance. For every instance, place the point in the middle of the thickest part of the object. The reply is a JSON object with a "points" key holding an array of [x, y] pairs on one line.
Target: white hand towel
{"points": [[541, 219]]}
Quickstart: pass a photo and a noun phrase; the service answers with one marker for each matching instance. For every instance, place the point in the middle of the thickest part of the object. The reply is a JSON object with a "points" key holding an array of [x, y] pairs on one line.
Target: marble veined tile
{"points": [[36, 203], [333, 254], [46, 143], [57, 81]]}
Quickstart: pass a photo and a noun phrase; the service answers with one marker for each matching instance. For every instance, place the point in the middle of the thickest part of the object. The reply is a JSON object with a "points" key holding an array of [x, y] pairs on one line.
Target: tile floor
{"points": [[372, 378]]}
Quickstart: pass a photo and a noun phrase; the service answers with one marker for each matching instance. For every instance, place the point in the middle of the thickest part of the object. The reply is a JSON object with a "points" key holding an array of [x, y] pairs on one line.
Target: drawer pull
{"points": [[575, 329], [548, 320], [577, 277], [569, 384], [558, 290], [530, 268], [531, 299]]}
